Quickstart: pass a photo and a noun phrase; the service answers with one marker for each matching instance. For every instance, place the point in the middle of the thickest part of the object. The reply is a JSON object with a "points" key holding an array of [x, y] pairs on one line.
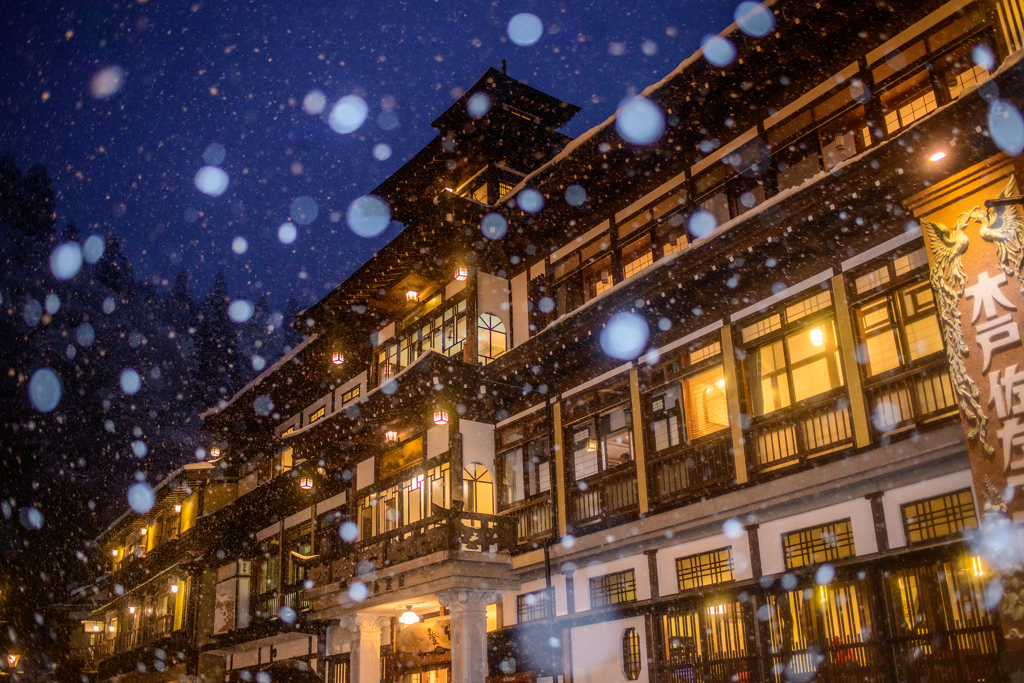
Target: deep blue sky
{"points": [[236, 74]]}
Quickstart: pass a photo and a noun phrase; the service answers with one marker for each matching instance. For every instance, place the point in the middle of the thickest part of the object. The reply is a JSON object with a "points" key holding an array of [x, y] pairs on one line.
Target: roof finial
{"points": [[503, 68]]}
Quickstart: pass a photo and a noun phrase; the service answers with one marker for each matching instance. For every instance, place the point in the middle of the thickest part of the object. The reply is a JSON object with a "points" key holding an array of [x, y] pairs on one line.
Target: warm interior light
{"points": [[938, 156], [391, 436], [114, 552], [337, 358], [440, 417], [412, 295], [823, 593], [591, 444], [143, 531], [817, 336], [131, 610], [95, 628], [716, 609], [215, 451], [461, 273], [977, 567], [408, 616], [306, 483], [177, 508], [111, 628]]}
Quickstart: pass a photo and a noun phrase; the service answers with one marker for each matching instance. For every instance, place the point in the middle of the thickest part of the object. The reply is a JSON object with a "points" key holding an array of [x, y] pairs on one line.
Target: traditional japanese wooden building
{"points": [[610, 411]]}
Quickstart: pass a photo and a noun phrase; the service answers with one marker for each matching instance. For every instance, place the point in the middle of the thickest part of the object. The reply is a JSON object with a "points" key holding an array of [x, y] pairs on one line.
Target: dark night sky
{"points": [[236, 74]]}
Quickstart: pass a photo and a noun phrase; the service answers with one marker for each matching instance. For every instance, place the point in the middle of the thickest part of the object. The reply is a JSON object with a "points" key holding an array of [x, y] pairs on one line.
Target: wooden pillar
{"points": [[455, 461], [559, 457], [851, 369], [570, 590], [469, 345], [638, 440], [878, 516], [652, 570], [732, 398], [754, 548]]}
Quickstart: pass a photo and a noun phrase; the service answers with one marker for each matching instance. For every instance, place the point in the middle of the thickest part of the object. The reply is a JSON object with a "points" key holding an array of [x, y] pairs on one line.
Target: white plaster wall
{"points": [[437, 441], [895, 498], [247, 483], [298, 647], [243, 659], [538, 269], [492, 296], [364, 474], [668, 582], [378, 338], [597, 651], [520, 309], [297, 518], [581, 579], [268, 532], [478, 446], [293, 421], [509, 598], [331, 503], [453, 288], [858, 511]]}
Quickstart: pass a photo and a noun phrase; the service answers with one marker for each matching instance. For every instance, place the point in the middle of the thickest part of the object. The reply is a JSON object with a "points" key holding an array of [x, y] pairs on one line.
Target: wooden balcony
{"points": [[605, 496], [689, 470], [907, 398], [534, 519], [151, 630], [449, 529], [813, 428]]}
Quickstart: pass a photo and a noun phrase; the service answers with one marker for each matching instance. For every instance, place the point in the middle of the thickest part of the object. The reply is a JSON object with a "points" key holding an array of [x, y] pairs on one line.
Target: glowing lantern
{"points": [[412, 296], [817, 336], [174, 587], [461, 273], [408, 616], [391, 436], [306, 483], [215, 451], [938, 156], [177, 508], [337, 358], [440, 417], [12, 660]]}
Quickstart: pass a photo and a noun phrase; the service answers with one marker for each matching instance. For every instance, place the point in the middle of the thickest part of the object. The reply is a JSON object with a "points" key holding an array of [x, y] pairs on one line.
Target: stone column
{"points": [[364, 660], [468, 610]]}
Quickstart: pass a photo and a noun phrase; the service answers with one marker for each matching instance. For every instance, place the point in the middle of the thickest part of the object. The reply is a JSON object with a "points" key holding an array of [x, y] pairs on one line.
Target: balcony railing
{"points": [[450, 529], [605, 495], [152, 629], [910, 398], [533, 518], [266, 605], [690, 470], [819, 426]]}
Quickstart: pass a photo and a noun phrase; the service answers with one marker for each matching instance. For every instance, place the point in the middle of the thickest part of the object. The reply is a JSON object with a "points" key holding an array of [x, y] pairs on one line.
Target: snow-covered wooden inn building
{"points": [[667, 402]]}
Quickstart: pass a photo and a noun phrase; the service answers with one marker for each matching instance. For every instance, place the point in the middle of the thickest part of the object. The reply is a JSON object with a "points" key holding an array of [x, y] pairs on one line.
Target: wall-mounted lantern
{"points": [[131, 610], [143, 531], [215, 451], [114, 552], [12, 660], [177, 508], [337, 358], [440, 417], [391, 436], [412, 296], [306, 483], [461, 273], [174, 586]]}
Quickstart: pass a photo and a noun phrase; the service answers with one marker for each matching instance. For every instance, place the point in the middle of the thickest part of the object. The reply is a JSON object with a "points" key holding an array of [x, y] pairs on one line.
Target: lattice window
{"points": [[350, 394], [705, 569], [613, 589], [941, 516], [318, 414], [825, 543], [631, 662], [535, 605]]}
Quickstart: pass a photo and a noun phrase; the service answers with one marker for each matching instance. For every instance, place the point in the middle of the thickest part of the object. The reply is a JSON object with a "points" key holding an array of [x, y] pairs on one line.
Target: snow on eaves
{"points": [[590, 134], [262, 376]]}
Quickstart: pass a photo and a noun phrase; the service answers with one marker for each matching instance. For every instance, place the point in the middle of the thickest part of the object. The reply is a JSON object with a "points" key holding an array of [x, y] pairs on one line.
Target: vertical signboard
{"points": [[974, 230]]}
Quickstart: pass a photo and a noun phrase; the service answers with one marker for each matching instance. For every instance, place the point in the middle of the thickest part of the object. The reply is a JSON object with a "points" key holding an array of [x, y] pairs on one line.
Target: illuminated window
{"points": [[637, 256], [710, 633], [705, 569], [613, 589], [941, 516], [802, 363], [350, 394], [602, 443], [478, 489], [535, 605], [318, 414], [597, 278], [631, 661], [826, 543], [492, 341], [288, 431]]}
